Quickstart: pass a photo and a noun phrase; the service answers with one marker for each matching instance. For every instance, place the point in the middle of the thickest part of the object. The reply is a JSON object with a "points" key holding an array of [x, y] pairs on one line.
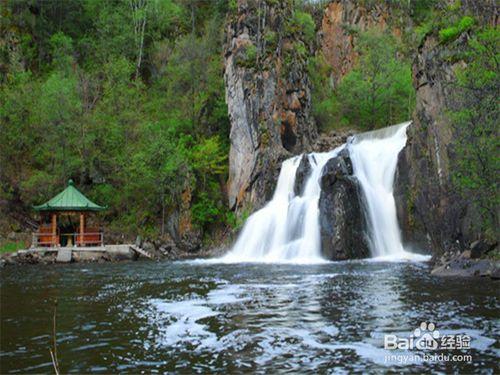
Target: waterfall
{"points": [[374, 158], [287, 228]]}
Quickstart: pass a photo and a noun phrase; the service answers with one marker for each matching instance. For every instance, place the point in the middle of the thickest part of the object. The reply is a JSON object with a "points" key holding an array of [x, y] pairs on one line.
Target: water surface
{"points": [[193, 317]]}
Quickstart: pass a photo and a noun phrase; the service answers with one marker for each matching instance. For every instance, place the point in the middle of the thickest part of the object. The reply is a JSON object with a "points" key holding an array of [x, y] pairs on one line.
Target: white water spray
{"points": [[374, 158], [287, 228]]}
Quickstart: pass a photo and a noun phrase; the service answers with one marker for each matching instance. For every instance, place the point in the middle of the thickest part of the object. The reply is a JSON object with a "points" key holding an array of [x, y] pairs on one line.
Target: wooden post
{"points": [[82, 226], [54, 228]]}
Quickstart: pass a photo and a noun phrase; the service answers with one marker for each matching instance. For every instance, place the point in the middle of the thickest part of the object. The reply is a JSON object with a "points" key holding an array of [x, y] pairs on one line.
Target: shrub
{"points": [[247, 57], [465, 23], [11, 247], [301, 50], [448, 34], [250, 53], [206, 211], [303, 23], [271, 40], [451, 33]]}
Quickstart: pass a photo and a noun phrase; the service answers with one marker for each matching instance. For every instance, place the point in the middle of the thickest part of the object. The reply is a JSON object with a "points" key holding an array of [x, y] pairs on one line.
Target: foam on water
{"points": [[272, 329], [287, 230], [374, 157]]}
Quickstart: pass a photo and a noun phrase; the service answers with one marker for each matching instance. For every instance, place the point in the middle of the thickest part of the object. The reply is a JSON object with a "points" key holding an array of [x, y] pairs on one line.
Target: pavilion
{"points": [[57, 227]]}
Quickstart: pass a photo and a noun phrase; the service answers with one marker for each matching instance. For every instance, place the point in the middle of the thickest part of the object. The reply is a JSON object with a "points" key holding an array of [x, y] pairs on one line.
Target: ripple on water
{"points": [[179, 317]]}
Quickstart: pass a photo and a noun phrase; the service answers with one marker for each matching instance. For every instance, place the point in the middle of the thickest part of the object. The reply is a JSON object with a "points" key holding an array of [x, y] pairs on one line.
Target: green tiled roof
{"points": [[70, 199]]}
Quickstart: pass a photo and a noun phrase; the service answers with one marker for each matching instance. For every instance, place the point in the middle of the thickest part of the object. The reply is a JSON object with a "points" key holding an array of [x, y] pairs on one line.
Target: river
{"points": [[194, 317]]}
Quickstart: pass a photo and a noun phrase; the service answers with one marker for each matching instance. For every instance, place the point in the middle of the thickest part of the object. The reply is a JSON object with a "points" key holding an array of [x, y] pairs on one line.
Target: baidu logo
{"points": [[425, 337]]}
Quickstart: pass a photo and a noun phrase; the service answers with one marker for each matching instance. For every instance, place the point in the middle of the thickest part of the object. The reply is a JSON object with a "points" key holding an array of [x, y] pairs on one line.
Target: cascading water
{"points": [[287, 228], [374, 158]]}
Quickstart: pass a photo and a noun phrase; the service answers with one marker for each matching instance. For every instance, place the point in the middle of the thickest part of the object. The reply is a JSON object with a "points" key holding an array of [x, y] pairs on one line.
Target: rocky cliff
{"points": [[342, 20], [268, 98], [431, 213]]}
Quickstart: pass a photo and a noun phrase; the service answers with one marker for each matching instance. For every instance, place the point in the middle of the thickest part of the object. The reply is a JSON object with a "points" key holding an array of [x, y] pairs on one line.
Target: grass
{"points": [[11, 247]]}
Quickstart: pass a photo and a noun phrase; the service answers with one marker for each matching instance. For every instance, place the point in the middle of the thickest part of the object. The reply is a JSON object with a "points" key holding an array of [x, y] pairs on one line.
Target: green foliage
{"points": [[233, 5], [451, 33], [448, 34], [136, 118], [235, 221], [454, 6], [206, 211], [376, 93], [302, 23], [475, 120], [271, 40], [12, 247], [421, 9], [300, 49], [247, 57], [270, 37], [465, 23], [250, 54], [424, 29], [323, 99]]}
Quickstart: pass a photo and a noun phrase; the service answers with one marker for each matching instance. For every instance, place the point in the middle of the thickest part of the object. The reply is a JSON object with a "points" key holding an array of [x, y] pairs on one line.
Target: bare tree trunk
{"points": [[139, 20]]}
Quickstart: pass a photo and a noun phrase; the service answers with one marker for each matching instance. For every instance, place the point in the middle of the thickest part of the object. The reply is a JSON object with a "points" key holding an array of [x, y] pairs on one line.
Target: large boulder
{"points": [[341, 217]]}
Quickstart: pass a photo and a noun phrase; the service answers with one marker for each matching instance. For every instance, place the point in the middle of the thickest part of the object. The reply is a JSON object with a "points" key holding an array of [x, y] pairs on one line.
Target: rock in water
{"points": [[342, 222], [303, 171]]}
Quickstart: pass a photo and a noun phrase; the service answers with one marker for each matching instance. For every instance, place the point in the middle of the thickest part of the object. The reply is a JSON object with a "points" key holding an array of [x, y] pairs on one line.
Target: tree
{"points": [[474, 116], [126, 97], [378, 91]]}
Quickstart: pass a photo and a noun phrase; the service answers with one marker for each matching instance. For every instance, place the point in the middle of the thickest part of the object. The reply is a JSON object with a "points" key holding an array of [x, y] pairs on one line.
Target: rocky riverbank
{"points": [[481, 260], [110, 253], [142, 249]]}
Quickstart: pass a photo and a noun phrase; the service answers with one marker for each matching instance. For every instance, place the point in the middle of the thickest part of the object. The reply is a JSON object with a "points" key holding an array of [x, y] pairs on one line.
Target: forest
{"points": [[127, 98]]}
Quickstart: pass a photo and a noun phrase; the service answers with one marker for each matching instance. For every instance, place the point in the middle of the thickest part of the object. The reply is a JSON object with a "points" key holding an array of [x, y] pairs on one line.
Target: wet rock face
{"points": [[330, 140], [301, 175], [431, 213], [342, 222], [268, 99]]}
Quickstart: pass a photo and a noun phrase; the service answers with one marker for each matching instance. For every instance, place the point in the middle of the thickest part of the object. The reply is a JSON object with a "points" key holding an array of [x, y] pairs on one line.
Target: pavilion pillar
{"points": [[82, 226], [54, 228]]}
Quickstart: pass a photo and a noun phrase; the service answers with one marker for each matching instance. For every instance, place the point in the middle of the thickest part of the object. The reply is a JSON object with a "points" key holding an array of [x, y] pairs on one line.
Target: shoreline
{"points": [[450, 265]]}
